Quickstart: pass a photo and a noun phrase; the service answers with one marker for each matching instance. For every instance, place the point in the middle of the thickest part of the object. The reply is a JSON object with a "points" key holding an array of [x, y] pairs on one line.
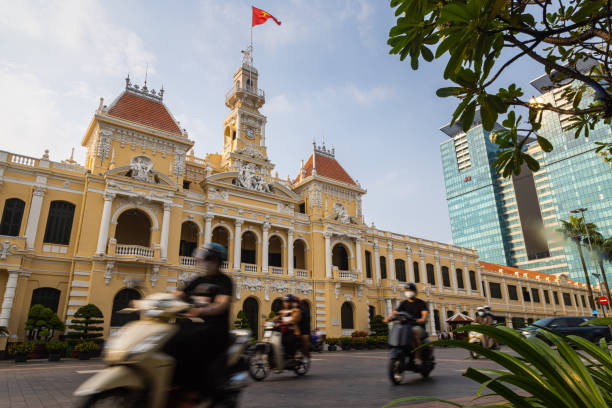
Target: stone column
{"points": [[165, 231], [265, 246], [466, 277], [561, 300], [237, 244], [453, 274], [432, 320], [328, 255], [9, 295], [443, 318], [530, 295], [486, 285], [479, 279], [377, 262], [438, 272], [33, 216], [552, 298], [391, 262], [290, 252], [208, 229], [423, 270], [410, 266], [541, 290], [359, 255], [389, 307], [506, 294], [105, 223]]}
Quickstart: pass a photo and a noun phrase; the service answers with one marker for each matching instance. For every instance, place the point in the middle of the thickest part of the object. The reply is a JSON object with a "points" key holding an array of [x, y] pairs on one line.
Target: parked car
{"points": [[566, 325]]}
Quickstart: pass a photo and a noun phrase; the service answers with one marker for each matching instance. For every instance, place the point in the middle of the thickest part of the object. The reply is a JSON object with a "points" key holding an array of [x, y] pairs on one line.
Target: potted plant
{"points": [[381, 342], [56, 349], [20, 351], [370, 342], [86, 325], [358, 343], [331, 343], [345, 343], [86, 349]]}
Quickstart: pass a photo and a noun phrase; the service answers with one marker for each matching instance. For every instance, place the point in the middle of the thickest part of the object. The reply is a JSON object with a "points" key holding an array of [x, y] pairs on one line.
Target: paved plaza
{"points": [[354, 378]]}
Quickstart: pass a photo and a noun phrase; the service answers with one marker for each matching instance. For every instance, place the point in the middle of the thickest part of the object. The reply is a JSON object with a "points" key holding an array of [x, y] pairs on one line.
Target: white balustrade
{"points": [[347, 275], [302, 273], [275, 270], [249, 267], [134, 250], [23, 160], [188, 260], [224, 266]]}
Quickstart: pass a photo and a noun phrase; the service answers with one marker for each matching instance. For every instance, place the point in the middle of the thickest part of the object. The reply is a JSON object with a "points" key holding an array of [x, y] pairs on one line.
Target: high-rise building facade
{"points": [[514, 221]]}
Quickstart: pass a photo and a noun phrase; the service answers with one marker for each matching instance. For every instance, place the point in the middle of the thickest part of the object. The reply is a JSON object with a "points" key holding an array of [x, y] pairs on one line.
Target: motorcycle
{"points": [[139, 373], [479, 338], [402, 352], [269, 354]]}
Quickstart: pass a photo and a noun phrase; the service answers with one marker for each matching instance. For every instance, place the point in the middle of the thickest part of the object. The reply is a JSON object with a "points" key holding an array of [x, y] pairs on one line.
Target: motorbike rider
{"points": [[288, 319], [418, 309], [200, 344], [483, 318], [492, 321]]}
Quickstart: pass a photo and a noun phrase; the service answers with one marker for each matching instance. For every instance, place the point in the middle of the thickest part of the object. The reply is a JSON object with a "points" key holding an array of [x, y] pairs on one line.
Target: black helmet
{"points": [[290, 298], [410, 286], [211, 252]]}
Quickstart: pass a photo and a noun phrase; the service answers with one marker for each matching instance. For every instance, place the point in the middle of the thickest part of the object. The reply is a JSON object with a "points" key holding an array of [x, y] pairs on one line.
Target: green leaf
{"points": [[454, 12], [467, 118], [427, 54], [545, 144], [450, 91], [487, 114]]}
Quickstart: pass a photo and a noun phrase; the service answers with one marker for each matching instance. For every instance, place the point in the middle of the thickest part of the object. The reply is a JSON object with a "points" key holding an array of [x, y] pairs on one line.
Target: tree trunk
{"points": [[603, 273], [586, 275]]}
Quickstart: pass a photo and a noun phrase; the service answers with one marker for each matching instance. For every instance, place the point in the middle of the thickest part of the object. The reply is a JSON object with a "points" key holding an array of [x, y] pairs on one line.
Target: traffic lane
{"points": [[360, 379]]}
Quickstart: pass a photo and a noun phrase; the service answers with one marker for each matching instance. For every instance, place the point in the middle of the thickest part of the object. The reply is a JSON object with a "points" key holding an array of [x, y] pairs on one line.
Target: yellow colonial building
{"points": [[124, 225]]}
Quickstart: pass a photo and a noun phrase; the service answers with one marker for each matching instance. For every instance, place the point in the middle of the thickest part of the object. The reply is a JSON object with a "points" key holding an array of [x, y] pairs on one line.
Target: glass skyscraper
{"points": [[514, 221]]}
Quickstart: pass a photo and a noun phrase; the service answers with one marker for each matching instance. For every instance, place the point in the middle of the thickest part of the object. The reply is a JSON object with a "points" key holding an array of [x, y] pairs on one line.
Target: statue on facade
{"points": [[140, 168], [340, 214], [248, 177]]}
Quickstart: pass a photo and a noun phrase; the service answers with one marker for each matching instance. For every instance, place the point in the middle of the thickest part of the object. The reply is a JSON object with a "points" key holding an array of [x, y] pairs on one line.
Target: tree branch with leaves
{"points": [[482, 38]]}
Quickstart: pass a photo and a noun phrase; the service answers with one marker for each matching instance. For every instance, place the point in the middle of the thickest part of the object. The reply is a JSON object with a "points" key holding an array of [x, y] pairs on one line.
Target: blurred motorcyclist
{"points": [[304, 327], [199, 346], [483, 318], [288, 319], [492, 321], [417, 308]]}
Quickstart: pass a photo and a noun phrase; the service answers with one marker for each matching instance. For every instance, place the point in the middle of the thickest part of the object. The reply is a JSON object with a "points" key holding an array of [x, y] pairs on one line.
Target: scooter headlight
{"points": [[147, 344]]}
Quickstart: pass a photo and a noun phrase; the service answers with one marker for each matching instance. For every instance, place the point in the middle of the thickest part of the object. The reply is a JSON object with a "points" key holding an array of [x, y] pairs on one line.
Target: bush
{"points": [[20, 349], [332, 341], [371, 341], [56, 346], [576, 373], [86, 347], [381, 341], [378, 326], [85, 325], [42, 323], [241, 321], [345, 343], [358, 342]]}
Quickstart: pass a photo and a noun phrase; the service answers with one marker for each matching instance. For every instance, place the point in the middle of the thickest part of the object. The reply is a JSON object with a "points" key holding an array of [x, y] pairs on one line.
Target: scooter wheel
{"points": [[395, 371], [259, 368], [115, 398], [301, 368], [474, 355]]}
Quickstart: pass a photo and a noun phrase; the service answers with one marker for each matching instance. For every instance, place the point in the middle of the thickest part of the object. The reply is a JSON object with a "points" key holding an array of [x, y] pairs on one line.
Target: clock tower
{"points": [[244, 135]]}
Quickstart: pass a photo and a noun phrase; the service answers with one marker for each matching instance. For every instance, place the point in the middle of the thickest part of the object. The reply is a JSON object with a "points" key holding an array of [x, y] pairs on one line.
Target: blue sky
{"points": [[326, 73]]}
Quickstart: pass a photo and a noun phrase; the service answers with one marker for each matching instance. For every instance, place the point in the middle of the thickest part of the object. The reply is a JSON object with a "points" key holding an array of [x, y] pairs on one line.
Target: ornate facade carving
{"points": [[250, 177], [141, 168], [179, 162], [340, 214], [108, 275], [104, 143], [154, 275], [217, 193], [303, 288], [6, 249], [252, 152]]}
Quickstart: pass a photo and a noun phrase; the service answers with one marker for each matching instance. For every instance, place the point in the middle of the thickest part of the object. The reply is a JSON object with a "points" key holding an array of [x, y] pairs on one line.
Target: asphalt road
{"points": [[353, 378]]}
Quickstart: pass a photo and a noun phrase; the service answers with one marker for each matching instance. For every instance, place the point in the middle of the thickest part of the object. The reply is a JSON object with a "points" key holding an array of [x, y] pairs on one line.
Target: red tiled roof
{"points": [[326, 166], [144, 111], [511, 270]]}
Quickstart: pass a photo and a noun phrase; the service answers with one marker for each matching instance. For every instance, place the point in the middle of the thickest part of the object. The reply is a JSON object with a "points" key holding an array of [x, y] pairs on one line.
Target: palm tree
{"points": [[574, 230], [602, 248]]}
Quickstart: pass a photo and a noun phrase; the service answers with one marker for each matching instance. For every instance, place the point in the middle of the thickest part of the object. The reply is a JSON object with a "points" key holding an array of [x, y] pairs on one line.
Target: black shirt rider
{"points": [[413, 308], [204, 289]]}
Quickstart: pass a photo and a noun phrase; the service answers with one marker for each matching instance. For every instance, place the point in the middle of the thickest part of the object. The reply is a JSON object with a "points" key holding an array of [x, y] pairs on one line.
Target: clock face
{"points": [[250, 133]]}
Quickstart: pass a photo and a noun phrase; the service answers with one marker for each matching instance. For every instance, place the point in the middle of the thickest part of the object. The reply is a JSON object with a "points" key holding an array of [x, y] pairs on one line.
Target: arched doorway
{"points": [[340, 257], [250, 307], [299, 254], [275, 252], [306, 312], [248, 248], [133, 228], [121, 301], [277, 305], [189, 238], [346, 316], [48, 297]]}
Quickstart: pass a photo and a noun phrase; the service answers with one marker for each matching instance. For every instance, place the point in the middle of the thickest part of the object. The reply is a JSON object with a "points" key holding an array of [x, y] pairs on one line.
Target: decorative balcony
{"points": [[224, 266], [275, 270], [345, 275], [187, 261], [247, 90], [251, 268], [302, 273], [134, 251]]}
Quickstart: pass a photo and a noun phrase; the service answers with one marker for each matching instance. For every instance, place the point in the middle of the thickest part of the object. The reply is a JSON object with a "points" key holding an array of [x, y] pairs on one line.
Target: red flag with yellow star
{"points": [[261, 16]]}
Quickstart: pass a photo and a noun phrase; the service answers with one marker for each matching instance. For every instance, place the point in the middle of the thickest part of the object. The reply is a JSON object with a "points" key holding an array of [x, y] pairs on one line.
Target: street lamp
{"points": [[581, 211]]}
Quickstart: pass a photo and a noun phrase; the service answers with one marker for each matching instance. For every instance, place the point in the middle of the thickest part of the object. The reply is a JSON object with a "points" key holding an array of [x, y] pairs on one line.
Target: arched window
{"points": [[368, 264], [133, 228], [220, 236], [248, 249], [275, 252], [383, 267], [460, 283], [250, 307], [340, 257], [59, 223], [299, 254], [445, 276], [121, 301], [346, 316], [415, 269], [189, 238], [48, 297], [473, 284], [431, 276], [11, 217], [277, 305], [449, 314], [400, 270]]}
